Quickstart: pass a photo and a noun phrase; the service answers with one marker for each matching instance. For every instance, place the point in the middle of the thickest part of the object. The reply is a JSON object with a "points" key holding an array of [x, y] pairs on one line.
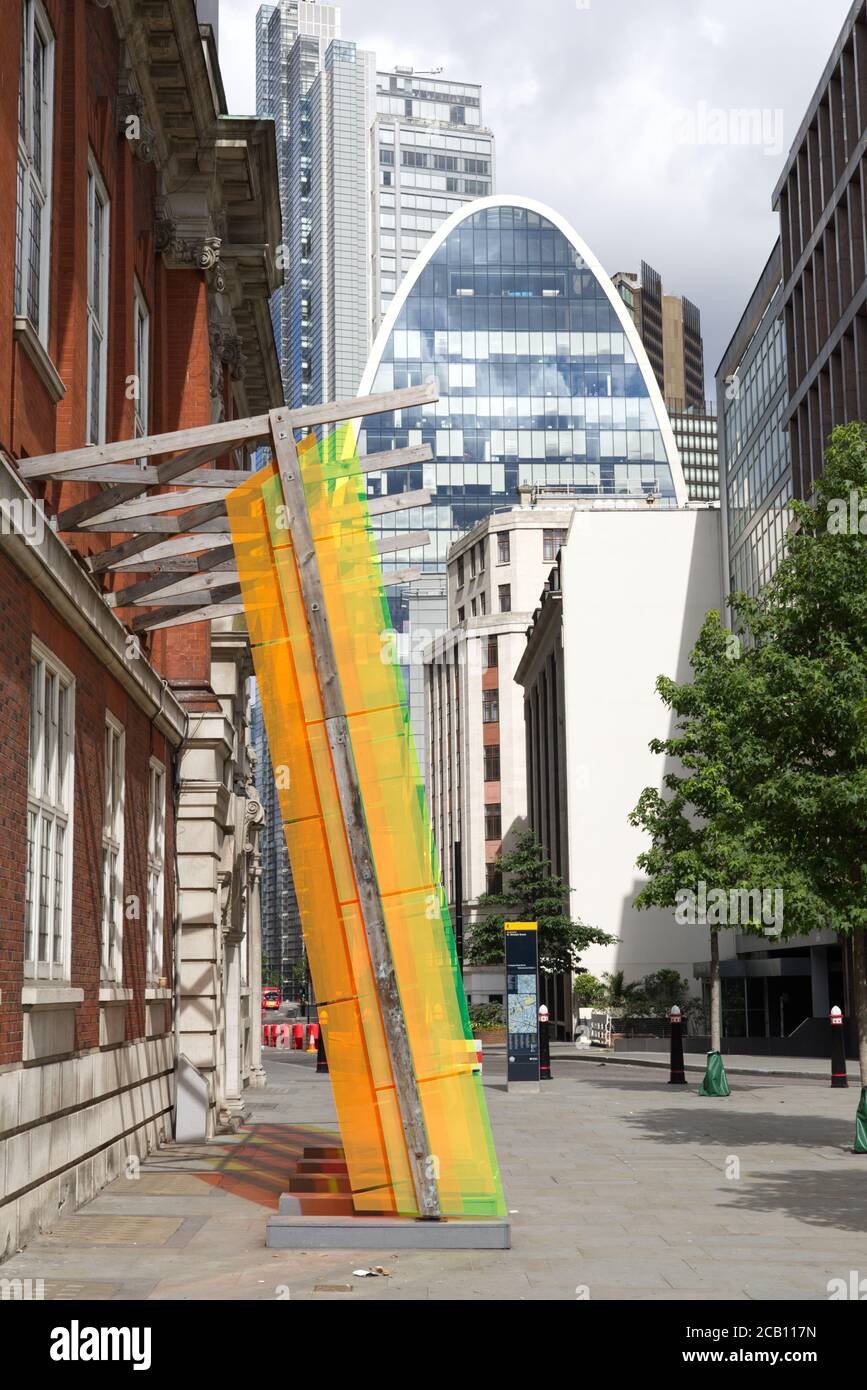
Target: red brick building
{"points": [[143, 220]]}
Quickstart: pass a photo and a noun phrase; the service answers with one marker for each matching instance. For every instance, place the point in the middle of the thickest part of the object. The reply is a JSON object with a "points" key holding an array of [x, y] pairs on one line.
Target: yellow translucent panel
{"points": [[337, 950], [392, 791]]}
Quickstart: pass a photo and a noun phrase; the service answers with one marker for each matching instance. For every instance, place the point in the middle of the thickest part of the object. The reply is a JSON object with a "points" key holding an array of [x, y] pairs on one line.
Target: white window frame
{"points": [[34, 23], [141, 340], [114, 794], [97, 308], [49, 809], [156, 889]]}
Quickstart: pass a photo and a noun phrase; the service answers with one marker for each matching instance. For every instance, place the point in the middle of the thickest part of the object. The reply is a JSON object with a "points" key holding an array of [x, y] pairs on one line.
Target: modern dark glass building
{"points": [[542, 374]]}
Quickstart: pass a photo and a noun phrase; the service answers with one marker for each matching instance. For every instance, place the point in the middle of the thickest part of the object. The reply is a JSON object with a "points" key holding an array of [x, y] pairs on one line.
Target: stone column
{"points": [[255, 821], [203, 821]]}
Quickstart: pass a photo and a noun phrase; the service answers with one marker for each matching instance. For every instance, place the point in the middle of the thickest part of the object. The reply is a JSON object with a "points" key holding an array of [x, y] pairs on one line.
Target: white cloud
{"points": [[583, 102]]}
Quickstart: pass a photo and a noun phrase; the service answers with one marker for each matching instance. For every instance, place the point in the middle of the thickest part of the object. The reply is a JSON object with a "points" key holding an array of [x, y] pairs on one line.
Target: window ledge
{"points": [[114, 994], [157, 992], [46, 996], [27, 336]]}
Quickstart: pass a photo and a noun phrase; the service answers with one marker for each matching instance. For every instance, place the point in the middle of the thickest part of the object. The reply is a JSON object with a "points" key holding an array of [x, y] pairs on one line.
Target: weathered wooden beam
{"points": [[208, 614], [165, 473], [154, 504], [165, 525], [220, 438], [358, 835], [216, 567], [397, 502], [407, 540], [147, 548], [132, 475], [187, 603], [228, 434]]}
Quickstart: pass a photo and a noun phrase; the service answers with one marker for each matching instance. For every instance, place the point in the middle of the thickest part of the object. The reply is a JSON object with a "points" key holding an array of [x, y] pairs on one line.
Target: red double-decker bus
{"points": [[270, 997]]}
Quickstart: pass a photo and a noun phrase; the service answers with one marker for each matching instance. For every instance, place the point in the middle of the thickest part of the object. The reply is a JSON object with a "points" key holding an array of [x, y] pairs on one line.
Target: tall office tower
{"points": [[282, 946], [319, 89], [430, 154], [820, 200], [754, 445], [670, 328]]}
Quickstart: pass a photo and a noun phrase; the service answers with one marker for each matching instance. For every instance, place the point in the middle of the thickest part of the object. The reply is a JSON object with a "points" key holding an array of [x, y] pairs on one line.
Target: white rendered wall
{"points": [[636, 588]]}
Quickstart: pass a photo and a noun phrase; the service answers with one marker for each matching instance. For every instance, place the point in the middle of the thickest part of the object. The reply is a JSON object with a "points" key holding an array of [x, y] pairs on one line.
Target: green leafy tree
{"points": [[588, 990], [766, 785], [531, 893]]}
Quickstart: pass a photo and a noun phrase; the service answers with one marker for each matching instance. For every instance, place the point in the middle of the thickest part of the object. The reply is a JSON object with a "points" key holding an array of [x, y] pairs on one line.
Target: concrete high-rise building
{"points": [[670, 329], [474, 727], [695, 429], [430, 154], [319, 90]]}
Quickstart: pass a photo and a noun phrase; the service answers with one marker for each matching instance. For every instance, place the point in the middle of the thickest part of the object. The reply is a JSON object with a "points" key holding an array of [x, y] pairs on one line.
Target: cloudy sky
{"points": [[657, 127]]}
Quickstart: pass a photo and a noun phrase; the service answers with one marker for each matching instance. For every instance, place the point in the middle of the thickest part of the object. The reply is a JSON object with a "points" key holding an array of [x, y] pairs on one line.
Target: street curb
{"points": [[612, 1059]]}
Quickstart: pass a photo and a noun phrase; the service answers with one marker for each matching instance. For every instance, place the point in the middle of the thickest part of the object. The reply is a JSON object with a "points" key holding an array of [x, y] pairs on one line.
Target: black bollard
{"points": [[544, 1045], [321, 1059], [839, 1076], [677, 1075]]}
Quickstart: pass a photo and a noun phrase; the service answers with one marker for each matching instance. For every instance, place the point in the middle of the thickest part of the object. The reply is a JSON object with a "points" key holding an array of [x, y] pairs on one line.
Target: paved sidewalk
{"points": [[620, 1186]]}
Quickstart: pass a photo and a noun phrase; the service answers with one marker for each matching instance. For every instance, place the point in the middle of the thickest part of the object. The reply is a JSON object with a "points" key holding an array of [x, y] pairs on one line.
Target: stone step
{"points": [[318, 1182], [333, 1151], [316, 1204], [322, 1166]]}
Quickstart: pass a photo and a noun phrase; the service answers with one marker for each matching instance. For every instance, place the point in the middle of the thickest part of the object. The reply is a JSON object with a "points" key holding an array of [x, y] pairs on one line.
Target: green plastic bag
{"points": [[715, 1080], [861, 1124]]}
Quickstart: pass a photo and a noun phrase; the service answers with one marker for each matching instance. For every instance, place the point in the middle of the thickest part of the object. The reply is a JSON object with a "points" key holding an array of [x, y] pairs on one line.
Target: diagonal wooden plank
{"points": [[165, 473], [152, 504], [206, 568], [179, 617], [152, 548], [196, 598], [397, 502], [130, 474], [228, 434], [164, 525]]}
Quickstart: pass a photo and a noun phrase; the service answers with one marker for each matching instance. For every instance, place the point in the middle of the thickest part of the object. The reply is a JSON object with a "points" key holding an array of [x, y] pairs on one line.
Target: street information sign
{"points": [[522, 1004]]}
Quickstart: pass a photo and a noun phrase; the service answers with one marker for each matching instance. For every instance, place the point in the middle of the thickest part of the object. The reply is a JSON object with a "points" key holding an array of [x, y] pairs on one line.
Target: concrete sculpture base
{"points": [[295, 1232]]}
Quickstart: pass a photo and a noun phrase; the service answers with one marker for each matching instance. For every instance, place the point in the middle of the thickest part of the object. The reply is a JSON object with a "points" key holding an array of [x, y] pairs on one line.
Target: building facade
{"points": [[474, 734], [695, 430], [754, 444], [670, 329], [820, 197], [282, 941], [134, 301], [319, 90], [542, 376], [431, 153], [625, 601]]}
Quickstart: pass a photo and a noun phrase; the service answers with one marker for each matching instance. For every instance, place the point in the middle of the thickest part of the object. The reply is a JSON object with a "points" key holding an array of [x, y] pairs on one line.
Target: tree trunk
{"points": [[859, 996], [715, 994]]}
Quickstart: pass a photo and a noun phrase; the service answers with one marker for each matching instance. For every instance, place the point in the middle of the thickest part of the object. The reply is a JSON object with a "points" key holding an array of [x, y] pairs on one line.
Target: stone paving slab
{"points": [[613, 1181]]}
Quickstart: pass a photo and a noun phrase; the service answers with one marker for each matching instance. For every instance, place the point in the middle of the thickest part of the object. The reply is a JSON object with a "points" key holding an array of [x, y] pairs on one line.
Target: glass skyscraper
{"points": [[543, 377], [319, 90]]}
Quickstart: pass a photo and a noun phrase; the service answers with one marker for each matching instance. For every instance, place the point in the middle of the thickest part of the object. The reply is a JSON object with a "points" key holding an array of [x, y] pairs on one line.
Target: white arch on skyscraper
{"points": [[503, 200]]}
